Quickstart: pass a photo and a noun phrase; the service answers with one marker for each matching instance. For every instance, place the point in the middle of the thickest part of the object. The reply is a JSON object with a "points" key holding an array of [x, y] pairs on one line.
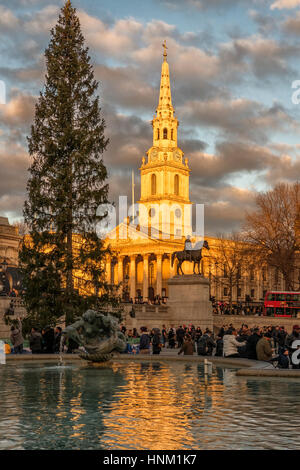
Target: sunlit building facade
{"points": [[142, 246]]}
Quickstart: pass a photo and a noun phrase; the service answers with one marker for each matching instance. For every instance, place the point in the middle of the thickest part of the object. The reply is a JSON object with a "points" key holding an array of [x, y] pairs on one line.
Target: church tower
{"points": [[164, 203]]}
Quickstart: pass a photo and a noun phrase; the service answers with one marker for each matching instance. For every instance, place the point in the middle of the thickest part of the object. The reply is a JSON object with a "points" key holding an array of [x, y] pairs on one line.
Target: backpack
{"points": [[202, 345]]}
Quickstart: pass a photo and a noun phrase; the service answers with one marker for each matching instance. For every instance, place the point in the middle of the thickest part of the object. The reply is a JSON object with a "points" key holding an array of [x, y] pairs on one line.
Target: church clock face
{"points": [[177, 156], [154, 155]]}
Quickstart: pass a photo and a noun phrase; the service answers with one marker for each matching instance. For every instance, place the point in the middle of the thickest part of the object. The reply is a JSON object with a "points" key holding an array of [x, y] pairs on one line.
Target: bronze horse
{"points": [[194, 256]]}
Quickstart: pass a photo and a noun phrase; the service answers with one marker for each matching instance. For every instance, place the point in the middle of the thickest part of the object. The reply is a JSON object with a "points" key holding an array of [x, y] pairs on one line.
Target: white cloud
{"points": [[115, 41], [42, 21], [8, 20], [282, 4]]}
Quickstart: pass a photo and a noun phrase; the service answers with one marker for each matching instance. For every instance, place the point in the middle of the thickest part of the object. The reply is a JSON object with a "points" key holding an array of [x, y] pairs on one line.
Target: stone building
{"points": [[10, 275], [9, 249], [143, 244]]}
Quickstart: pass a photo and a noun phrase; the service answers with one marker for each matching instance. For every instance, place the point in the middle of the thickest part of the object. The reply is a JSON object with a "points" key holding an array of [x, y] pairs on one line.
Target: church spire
{"points": [[164, 122], [165, 173], [165, 108]]}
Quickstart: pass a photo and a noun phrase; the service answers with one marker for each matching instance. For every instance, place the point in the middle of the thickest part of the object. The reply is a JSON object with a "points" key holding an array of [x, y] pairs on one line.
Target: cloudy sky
{"points": [[232, 66]]}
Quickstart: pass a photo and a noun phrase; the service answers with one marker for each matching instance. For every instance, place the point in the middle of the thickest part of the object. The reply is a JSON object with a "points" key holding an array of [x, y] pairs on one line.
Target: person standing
{"points": [[57, 340], [171, 338], [156, 345], [164, 335], [16, 338], [48, 340], [205, 344], [144, 341], [35, 341], [250, 348], [180, 335]]}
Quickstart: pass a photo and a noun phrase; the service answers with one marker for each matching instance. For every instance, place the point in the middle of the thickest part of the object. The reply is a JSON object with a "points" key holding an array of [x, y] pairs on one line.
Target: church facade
{"points": [[142, 245]]}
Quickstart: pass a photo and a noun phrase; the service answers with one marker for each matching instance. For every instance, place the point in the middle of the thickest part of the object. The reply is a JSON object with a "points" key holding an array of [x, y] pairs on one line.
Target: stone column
{"points": [[120, 273], [145, 277], [120, 269], [158, 274], [108, 271], [132, 278]]}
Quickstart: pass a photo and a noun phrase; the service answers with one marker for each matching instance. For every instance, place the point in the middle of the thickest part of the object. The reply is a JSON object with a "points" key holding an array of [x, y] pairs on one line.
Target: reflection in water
{"points": [[149, 405]]}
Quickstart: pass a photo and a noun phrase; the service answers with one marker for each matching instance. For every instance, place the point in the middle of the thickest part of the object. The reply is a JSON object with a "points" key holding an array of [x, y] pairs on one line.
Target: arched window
{"points": [[153, 184], [176, 185], [165, 133], [157, 134]]}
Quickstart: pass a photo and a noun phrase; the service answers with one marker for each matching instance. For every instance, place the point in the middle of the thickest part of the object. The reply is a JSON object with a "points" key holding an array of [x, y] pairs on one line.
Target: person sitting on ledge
{"points": [[283, 358], [263, 348], [205, 344], [16, 338], [230, 344]]}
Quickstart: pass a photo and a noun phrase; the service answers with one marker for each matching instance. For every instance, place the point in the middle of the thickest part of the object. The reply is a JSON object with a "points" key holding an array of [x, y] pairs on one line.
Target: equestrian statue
{"points": [[191, 254]]}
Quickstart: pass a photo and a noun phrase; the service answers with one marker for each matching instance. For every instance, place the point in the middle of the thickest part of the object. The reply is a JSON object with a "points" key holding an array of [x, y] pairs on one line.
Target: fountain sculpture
{"points": [[99, 334]]}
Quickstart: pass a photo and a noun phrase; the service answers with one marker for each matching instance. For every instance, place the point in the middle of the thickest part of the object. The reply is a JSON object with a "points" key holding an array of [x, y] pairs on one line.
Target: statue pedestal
{"points": [[189, 301]]}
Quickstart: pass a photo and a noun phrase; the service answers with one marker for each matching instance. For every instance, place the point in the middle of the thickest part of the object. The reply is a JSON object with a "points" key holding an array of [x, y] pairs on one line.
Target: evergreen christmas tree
{"points": [[62, 257]]}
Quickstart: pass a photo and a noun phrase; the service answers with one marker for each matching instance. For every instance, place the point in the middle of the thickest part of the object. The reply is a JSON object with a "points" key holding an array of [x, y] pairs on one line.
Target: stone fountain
{"points": [[99, 334]]}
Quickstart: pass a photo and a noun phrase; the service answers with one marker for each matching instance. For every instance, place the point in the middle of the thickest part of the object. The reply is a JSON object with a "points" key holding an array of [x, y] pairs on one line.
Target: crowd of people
{"points": [[223, 308], [156, 300], [269, 343], [41, 341]]}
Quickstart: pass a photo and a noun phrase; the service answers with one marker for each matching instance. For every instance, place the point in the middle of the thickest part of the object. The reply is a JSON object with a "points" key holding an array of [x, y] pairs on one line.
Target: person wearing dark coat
{"points": [[48, 340], [164, 335], [171, 338], [281, 337], [180, 335], [144, 341], [188, 346], [283, 358], [57, 340], [249, 351], [221, 332], [198, 334], [35, 341], [219, 346], [206, 344], [156, 345]]}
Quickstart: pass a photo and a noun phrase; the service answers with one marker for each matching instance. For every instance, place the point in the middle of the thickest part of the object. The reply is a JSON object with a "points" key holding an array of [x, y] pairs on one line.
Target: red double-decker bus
{"points": [[282, 304]]}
